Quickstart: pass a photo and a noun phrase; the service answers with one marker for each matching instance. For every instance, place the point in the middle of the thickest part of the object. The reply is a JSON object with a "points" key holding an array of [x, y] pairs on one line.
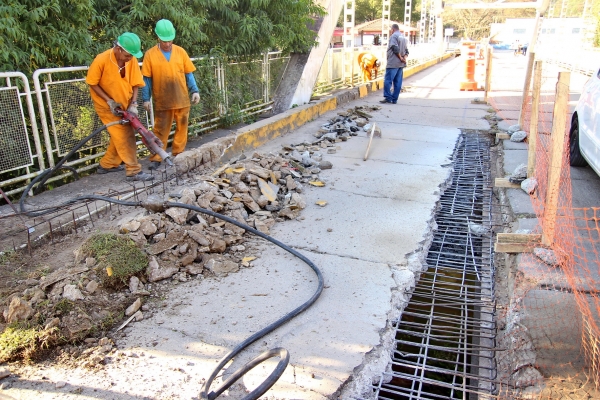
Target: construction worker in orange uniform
{"points": [[114, 78], [167, 72], [369, 66]]}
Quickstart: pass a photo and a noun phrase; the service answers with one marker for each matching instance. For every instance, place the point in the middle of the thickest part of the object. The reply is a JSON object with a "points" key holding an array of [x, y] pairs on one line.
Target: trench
{"points": [[445, 338]]}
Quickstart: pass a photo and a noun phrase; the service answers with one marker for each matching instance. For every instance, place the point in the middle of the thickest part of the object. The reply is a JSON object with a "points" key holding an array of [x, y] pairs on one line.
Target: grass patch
{"points": [[117, 256], [24, 342]]}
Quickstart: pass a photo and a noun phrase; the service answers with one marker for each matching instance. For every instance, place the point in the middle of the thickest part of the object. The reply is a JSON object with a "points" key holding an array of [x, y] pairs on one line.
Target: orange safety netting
{"points": [[550, 328]]}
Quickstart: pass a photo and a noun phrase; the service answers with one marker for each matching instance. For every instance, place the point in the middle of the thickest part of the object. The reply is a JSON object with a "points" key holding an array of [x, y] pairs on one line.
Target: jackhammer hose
{"points": [[270, 381], [159, 206], [44, 176]]}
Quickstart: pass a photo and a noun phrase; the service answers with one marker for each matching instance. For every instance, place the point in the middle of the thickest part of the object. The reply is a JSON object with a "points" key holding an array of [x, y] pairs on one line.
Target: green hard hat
{"points": [[130, 42], [165, 30]]}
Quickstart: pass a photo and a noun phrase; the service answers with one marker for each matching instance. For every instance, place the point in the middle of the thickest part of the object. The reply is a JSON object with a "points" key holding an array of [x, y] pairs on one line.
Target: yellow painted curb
{"points": [[362, 91], [261, 132]]}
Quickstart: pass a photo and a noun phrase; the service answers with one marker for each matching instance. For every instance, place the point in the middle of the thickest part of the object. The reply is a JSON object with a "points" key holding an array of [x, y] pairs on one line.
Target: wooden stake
{"points": [[488, 74], [533, 125], [370, 140], [557, 147], [526, 86]]}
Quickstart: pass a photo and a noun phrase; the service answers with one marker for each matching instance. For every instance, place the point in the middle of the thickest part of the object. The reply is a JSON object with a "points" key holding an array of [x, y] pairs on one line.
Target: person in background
{"points": [[369, 66], [114, 78], [167, 71], [396, 61]]}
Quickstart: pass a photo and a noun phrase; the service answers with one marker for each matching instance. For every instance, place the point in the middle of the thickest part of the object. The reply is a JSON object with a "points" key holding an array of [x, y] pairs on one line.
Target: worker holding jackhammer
{"points": [[114, 79], [168, 75]]}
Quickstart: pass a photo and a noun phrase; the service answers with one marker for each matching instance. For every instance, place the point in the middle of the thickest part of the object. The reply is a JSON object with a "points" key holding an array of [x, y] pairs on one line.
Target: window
{"points": [[519, 31]]}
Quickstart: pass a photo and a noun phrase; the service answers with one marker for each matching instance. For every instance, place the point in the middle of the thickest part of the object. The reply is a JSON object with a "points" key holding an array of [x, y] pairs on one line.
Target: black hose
{"points": [[270, 381], [44, 176], [156, 206]]}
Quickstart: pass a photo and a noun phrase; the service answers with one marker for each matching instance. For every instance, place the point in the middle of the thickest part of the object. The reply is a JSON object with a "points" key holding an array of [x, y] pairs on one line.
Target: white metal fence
{"points": [[333, 74], [61, 106]]}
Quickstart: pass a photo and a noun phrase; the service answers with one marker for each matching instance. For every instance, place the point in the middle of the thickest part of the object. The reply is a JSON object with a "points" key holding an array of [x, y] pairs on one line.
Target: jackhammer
{"points": [[152, 143]]}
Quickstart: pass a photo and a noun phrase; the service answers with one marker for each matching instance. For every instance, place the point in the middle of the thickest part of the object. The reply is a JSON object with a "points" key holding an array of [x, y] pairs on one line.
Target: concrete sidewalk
{"points": [[368, 241]]}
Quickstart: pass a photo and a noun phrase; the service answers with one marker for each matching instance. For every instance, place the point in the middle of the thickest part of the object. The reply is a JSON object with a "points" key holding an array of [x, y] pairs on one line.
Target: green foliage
{"points": [[22, 341], [49, 33], [118, 257]]}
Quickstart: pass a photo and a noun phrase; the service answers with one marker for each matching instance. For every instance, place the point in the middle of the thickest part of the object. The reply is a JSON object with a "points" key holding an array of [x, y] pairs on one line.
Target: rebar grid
{"points": [[445, 339]]}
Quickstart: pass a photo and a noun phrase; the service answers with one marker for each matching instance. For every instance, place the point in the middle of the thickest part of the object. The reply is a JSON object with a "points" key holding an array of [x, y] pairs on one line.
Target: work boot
{"points": [[154, 165], [103, 171], [140, 176]]}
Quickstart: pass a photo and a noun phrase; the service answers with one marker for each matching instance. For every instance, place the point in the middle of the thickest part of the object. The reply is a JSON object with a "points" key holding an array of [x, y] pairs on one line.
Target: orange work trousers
{"points": [[162, 128], [121, 147]]}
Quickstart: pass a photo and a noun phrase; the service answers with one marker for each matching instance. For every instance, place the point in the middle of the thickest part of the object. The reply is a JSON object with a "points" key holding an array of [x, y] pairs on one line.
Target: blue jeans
{"points": [[393, 76]]}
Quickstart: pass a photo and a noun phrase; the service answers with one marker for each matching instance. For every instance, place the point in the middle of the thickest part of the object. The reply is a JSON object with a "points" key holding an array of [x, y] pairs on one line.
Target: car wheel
{"points": [[575, 157]]}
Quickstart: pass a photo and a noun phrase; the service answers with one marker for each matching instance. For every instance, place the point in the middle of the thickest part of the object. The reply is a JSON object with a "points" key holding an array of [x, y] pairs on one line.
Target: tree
{"points": [[369, 10], [46, 33]]}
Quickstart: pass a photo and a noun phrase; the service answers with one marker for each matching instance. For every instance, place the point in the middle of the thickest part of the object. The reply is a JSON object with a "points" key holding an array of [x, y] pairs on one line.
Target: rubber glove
{"points": [[195, 98], [113, 105], [133, 109], [147, 106]]}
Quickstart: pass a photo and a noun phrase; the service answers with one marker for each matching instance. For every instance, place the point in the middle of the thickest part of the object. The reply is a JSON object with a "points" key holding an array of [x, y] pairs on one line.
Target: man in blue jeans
{"points": [[396, 61]]}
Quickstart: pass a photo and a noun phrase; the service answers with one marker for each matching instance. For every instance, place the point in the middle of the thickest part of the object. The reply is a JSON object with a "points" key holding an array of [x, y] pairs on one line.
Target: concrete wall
{"points": [[315, 60]]}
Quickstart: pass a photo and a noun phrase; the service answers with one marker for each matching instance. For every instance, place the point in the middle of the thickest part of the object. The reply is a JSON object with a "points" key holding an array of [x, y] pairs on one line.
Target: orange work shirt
{"points": [[104, 72], [169, 88]]}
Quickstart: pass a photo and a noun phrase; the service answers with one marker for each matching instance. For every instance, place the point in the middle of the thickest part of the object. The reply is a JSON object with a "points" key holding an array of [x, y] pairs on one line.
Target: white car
{"points": [[584, 136]]}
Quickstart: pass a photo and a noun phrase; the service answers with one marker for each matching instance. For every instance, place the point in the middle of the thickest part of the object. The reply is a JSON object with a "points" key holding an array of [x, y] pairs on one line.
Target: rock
{"points": [[179, 215], [172, 240], [148, 228], [527, 376], [4, 372], [138, 316], [519, 174], [71, 292], [103, 341], [91, 286], [261, 226], [325, 165], [514, 128], [187, 260], [201, 239], [194, 269], [31, 282], [134, 283], [54, 322], [546, 255], [133, 307], [18, 310], [221, 267], [183, 248], [331, 150], [77, 325], [158, 237], [37, 295], [130, 226], [529, 185], [518, 136], [288, 213], [60, 384], [298, 201], [218, 246], [90, 262], [290, 183], [156, 273]]}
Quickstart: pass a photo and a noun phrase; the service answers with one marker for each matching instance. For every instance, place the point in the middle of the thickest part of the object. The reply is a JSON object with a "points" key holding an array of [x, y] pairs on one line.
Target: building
{"points": [[554, 31], [365, 33]]}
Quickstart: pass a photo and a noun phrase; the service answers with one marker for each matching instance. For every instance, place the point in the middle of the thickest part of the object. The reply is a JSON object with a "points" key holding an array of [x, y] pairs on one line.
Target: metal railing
{"points": [[333, 75], [61, 106]]}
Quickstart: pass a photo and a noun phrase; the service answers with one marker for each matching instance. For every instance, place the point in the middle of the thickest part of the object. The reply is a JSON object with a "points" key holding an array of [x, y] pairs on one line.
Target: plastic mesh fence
{"points": [[550, 329]]}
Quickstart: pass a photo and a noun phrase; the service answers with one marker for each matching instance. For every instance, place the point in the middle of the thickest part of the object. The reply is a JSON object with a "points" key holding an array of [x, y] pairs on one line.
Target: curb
{"points": [[259, 133]]}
